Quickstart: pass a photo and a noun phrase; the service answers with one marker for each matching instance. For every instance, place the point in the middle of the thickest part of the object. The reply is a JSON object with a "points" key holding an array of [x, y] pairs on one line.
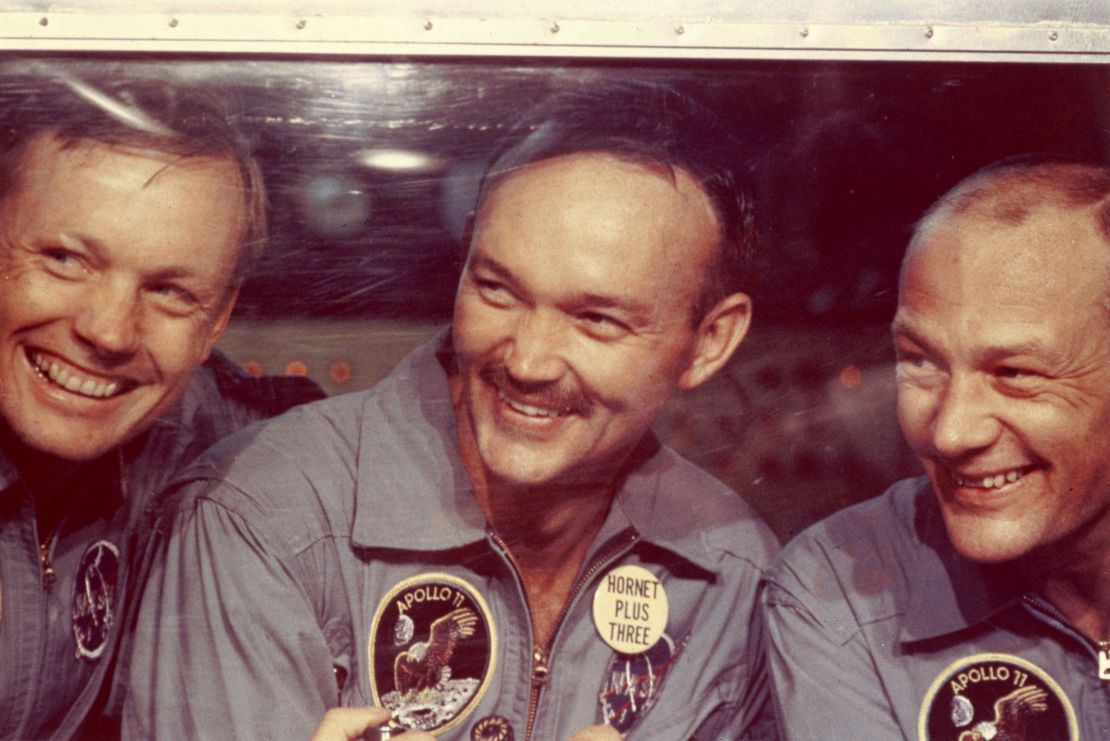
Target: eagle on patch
{"points": [[1011, 715], [426, 664]]}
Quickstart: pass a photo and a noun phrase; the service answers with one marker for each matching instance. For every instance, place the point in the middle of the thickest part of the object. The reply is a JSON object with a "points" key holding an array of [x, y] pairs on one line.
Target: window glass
{"points": [[372, 166]]}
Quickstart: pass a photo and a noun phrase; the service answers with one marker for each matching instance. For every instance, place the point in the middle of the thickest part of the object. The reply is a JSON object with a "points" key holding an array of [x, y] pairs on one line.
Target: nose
{"points": [[535, 351], [109, 319], [964, 420]]}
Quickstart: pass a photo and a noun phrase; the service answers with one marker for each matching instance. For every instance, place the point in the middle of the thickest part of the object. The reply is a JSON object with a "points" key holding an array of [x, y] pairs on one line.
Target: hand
{"points": [[597, 733], [351, 724]]}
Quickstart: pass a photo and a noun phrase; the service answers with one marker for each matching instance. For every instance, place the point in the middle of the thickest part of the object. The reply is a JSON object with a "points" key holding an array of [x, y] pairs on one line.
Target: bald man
{"points": [[974, 603]]}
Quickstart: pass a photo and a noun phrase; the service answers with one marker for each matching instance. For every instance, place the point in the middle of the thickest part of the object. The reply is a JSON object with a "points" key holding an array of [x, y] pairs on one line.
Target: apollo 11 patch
{"points": [[996, 696], [432, 650], [94, 592]]}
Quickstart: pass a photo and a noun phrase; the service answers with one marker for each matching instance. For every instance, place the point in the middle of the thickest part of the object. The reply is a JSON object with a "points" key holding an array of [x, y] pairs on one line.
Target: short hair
{"points": [[174, 119], [1010, 190], [655, 126]]}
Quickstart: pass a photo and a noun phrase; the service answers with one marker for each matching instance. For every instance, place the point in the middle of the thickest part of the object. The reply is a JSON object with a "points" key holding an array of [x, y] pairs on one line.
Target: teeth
{"points": [[997, 481], [72, 381], [527, 409]]}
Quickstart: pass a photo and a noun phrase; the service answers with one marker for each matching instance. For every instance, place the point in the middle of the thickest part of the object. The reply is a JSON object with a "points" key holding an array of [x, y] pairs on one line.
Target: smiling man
{"points": [[127, 216], [491, 543], [975, 604]]}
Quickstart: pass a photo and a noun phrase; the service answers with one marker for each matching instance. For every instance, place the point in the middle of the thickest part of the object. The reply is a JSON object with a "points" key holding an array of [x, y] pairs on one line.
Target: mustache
{"points": [[548, 394]]}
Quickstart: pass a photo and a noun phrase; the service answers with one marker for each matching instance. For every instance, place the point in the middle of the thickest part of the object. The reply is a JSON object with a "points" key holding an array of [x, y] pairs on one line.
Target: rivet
{"points": [[173, 23], [427, 25], [44, 22], [929, 32], [680, 30], [554, 28], [1053, 36], [301, 24], [804, 32]]}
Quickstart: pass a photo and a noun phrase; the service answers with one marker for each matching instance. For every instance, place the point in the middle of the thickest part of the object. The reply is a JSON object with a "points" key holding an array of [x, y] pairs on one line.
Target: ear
{"points": [[718, 336], [219, 322]]}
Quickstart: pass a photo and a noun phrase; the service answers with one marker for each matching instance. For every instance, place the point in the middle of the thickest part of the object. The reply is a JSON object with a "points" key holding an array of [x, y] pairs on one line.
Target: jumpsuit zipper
{"points": [[48, 574], [46, 545], [1102, 648], [541, 670]]}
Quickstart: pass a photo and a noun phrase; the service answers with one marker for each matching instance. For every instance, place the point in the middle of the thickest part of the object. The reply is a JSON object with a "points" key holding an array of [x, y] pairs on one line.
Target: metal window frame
{"points": [[653, 35]]}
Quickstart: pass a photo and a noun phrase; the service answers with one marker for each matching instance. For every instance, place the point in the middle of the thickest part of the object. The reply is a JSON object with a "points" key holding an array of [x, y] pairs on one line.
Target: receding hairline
{"points": [[672, 174], [1010, 193], [684, 183]]}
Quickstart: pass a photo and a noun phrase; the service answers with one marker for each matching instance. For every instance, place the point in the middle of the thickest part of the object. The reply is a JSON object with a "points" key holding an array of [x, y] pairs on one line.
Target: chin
{"points": [[518, 471], [987, 542], [74, 453]]}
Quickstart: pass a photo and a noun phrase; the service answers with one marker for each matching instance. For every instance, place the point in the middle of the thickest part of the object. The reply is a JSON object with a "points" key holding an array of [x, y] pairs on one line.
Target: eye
{"points": [[494, 292], [172, 298], [1013, 373], [62, 262], [914, 365], [1018, 380], [913, 359], [603, 326]]}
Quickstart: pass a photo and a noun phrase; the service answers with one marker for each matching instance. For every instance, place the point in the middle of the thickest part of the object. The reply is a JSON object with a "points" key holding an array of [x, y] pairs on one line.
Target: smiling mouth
{"points": [[528, 410], [73, 380], [992, 481]]}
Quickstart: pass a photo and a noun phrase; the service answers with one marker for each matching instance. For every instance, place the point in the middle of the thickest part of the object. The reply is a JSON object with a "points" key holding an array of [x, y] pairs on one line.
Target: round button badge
{"points": [[630, 609]]}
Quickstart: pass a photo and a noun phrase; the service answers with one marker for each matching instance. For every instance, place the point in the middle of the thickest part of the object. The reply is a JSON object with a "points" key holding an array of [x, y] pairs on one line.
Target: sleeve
{"points": [[824, 683], [227, 644]]}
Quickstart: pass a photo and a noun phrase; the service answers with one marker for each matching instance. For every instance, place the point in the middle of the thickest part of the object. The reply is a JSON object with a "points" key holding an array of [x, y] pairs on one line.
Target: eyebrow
{"points": [[1032, 347], [71, 239], [481, 262], [902, 328]]}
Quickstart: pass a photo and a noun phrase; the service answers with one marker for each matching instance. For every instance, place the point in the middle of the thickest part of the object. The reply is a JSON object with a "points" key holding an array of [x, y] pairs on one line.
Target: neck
{"points": [[548, 533], [1075, 578], [50, 480], [545, 524], [547, 529]]}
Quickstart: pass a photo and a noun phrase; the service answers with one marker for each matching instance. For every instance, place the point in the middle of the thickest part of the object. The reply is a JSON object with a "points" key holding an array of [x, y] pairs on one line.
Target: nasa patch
{"points": [[432, 651], [632, 684], [995, 696], [94, 592]]}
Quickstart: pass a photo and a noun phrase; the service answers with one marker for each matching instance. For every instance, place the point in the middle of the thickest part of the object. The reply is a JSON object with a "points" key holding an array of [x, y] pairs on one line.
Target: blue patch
{"points": [[633, 682]]}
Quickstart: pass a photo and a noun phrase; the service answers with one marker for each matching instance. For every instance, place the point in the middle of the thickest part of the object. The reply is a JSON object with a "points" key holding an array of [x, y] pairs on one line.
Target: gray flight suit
{"points": [[315, 557], [878, 629]]}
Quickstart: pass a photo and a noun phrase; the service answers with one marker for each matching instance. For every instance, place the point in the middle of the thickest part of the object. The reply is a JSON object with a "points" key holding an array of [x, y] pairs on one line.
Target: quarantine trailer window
{"points": [[372, 166]]}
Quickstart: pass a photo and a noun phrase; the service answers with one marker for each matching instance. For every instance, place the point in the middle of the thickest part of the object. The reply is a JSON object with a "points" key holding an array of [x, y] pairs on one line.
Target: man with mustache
{"points": [[492, 543], [129, 213], [975, 604]]}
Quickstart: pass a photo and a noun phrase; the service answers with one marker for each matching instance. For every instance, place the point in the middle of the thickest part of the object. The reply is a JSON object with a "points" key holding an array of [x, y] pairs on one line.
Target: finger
{"points": [[348, 724], [597, 733]]}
